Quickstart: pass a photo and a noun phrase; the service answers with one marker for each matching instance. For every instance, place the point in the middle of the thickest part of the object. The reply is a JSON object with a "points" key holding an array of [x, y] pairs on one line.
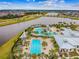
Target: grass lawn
{"points": [[5, 49], [74, 18], [4, 22]]}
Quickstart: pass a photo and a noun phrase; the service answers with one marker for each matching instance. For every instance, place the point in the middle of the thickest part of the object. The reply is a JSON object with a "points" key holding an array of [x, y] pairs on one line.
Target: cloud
{"points": [[57, 5], [46, 5], [4, 2]]}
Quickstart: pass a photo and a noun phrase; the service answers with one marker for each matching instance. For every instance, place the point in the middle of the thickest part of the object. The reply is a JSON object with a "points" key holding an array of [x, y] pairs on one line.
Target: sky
{"points": [[40, 4]]}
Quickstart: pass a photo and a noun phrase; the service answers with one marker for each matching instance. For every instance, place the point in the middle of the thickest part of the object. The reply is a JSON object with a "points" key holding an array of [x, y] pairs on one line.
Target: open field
{"points": [[71, 17], [5, 49], [4, 22]]}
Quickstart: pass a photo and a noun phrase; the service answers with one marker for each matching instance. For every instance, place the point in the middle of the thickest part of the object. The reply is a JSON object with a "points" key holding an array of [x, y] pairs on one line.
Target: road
{"points": [[7, 32]]}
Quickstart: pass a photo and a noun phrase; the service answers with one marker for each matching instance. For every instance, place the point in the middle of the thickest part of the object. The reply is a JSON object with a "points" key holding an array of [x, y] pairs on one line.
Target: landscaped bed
{"points": [[73, 54]]}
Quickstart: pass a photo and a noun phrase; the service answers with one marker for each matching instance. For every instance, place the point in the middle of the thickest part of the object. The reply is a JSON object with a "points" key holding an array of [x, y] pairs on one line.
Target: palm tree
{"points": [[39, 56], [76, 58], [52, 54], [46, 56], [44, 43], [29, 56], [34, 56], [42, 55]]}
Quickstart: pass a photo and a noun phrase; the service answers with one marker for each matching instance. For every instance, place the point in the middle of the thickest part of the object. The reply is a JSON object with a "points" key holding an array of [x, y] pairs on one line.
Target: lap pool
{"points": [[35, 47]]}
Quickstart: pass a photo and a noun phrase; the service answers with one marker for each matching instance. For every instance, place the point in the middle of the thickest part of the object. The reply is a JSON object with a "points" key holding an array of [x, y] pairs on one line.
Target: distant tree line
{"points": [[10, 16], [30, 13]]}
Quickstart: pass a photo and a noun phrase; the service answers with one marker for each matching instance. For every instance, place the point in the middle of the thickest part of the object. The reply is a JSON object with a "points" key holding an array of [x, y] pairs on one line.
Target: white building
{"points": [[67, 42]]}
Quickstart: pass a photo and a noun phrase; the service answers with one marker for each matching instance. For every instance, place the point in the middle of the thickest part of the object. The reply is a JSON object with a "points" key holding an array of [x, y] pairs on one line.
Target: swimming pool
{"points": [[50, 33], [35, 47], [41, 32]]}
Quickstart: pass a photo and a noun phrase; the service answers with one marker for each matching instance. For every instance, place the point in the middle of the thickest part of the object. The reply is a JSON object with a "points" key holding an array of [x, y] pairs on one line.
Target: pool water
{"points": [[40, 32], [51, 33], [35, 47]]}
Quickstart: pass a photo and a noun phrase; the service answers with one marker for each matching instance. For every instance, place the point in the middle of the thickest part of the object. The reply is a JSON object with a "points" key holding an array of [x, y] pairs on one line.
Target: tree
{"points": [[34, 56], [76, 58], [44, 43]]}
